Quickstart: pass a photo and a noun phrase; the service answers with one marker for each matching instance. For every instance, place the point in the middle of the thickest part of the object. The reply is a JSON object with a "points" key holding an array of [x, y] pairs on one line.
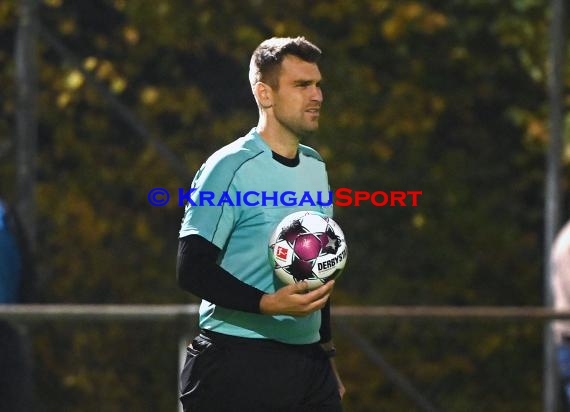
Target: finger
{"points": [[319, 303], [328, 286], [301, 287], [325, 289]]}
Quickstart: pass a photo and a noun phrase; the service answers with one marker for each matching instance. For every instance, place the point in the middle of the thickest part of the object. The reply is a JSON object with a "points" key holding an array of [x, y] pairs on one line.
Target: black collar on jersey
{"points": [[285, 161]]}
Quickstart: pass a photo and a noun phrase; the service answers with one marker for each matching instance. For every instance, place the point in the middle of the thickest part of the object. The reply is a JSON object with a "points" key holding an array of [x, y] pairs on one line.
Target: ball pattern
{"points": [[307, 246]]}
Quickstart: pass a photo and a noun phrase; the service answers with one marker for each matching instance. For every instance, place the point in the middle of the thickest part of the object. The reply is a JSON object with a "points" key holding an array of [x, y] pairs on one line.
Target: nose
{"points": [[317, 95]]}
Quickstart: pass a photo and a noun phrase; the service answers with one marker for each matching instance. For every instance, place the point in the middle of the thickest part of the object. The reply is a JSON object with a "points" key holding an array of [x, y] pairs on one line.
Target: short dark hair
{"points": [[266, 59]]}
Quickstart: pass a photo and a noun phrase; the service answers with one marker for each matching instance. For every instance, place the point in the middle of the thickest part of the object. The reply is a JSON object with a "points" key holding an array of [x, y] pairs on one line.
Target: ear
{"points": [[263, 94]]}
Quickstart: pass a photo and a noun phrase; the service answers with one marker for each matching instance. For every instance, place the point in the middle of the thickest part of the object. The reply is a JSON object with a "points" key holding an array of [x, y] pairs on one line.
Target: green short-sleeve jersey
{"points": [[238, 197]]}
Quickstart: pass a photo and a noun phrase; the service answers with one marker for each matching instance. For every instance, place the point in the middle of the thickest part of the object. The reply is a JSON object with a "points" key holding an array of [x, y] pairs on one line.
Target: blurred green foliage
{"points": [[444, 97]]}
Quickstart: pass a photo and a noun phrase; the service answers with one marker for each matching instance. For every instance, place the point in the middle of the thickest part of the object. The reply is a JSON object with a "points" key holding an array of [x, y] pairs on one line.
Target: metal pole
{"points": [[26, 114], [553, 186]]}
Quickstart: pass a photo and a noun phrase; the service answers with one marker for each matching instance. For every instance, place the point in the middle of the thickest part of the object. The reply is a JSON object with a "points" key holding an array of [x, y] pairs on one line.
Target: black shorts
{"points": [[230, 374]]}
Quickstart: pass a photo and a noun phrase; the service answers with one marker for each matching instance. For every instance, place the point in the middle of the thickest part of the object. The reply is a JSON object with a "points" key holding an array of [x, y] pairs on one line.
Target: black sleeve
{"points": [[325, 330], [198, 272]]}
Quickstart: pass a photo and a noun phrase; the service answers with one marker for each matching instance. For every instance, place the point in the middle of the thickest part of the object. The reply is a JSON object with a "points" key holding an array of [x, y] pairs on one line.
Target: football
{"points": [[307, 246]]}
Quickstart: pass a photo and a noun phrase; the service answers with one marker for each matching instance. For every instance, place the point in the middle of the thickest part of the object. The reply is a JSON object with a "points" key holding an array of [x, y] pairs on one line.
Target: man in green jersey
{"points": [[263, 346]]}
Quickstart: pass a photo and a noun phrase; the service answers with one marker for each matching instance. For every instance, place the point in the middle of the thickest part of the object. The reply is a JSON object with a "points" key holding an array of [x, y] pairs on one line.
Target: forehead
{"points": [[294, 69]]}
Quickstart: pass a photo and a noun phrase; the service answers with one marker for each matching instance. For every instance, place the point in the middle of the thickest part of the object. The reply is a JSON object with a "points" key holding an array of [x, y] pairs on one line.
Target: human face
{"points": [[298, 99]]}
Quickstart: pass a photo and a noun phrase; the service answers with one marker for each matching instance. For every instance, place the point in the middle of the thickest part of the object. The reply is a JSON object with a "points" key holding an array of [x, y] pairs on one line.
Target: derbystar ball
{"points": [[307, 246]]}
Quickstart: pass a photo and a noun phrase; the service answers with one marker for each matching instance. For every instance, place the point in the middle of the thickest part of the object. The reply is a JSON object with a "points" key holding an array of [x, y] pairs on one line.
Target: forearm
{"points": [[198, 273]]}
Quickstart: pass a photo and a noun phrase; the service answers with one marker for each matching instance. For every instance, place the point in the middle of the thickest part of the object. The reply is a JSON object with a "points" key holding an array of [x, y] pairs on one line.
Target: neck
{"points": [[279, 139]]}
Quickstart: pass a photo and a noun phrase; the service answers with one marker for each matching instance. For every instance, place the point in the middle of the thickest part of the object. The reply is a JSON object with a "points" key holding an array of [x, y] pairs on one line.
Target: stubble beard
{"points": [[299, 130]]}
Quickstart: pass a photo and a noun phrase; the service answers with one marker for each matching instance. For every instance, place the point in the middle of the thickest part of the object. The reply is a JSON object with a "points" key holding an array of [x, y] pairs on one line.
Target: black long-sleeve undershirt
{"points": [[198, 272]]}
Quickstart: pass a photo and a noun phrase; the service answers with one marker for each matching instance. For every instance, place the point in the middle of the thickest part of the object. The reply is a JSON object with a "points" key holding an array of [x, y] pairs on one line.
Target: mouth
{"points": [[314, 110]]}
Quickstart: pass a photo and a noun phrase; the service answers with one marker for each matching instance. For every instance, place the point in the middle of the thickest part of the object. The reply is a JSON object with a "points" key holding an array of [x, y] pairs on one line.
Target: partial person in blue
{"points": [[560, 282], [16, 279], [10, 260], [263, 346]]}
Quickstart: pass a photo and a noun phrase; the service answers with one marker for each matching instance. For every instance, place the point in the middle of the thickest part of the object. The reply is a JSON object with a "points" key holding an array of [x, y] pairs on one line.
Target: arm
{"points": [[198, 273]]}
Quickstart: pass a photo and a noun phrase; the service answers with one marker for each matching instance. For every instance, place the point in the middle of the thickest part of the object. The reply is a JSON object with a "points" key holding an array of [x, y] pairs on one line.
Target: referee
{"points": [[263, 346]]}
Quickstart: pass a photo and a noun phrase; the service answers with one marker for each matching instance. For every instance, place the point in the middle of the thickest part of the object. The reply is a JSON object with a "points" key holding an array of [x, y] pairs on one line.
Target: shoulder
{"points": [[230, 158], [220, 169], [561, 246], [7, 216], [310, 152], [3, 210]]}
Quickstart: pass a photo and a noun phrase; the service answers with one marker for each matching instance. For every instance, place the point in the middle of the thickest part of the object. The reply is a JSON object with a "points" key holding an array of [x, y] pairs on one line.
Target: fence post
{"points": [[555, 75], [26, 113]]}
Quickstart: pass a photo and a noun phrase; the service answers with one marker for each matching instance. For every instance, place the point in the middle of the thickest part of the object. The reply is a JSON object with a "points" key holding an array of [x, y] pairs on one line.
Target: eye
{"points": [[303, 84]]}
